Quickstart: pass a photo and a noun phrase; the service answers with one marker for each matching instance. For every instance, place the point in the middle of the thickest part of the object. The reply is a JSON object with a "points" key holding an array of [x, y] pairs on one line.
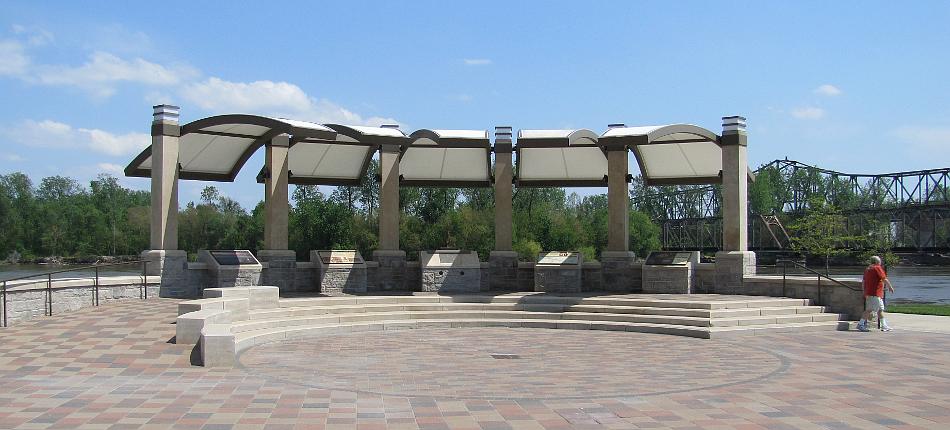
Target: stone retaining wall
{"points": [[26, 301]]}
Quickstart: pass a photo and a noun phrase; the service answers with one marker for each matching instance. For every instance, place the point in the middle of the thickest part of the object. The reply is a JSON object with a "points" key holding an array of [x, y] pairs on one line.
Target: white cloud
{"points": [[11, 157], [925, 138], [827, 90], [103, 71], [114, 169], [53, 134], [477, 61], [464, 98], [13, 58], [810, 113], [34, 35], [270, 98]]}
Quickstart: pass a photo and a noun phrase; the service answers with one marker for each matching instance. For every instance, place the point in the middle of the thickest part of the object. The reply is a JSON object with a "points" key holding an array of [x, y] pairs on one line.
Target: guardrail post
{"points": [[4, 303], [819, 291], [49, 292], [144, 294], [784, 269], [95, 301]]}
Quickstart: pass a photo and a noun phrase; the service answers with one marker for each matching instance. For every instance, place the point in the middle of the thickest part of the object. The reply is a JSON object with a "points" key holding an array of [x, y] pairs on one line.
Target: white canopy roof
{"points": [[672, 154], [560, 158], [216, 148], [324, 162], [447, 158]]}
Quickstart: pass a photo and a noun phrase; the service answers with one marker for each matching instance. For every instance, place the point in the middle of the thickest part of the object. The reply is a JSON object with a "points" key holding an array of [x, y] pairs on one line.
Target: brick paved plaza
{"points": [[116, 367]]}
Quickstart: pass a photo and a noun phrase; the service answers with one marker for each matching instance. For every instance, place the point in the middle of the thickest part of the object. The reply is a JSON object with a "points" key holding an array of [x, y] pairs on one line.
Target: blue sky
{"points": [[854, 86]]}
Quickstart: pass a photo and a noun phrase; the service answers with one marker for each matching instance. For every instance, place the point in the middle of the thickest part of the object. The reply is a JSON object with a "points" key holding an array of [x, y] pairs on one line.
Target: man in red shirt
{"points": [[874, 281]]}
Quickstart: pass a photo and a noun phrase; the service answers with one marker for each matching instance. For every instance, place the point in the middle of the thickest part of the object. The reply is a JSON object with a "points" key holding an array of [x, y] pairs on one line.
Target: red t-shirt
{"points": [[874, 277]]}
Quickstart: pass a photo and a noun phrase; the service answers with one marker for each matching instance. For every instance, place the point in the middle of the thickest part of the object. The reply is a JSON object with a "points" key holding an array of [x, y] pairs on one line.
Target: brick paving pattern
{"points": [[114, 367]]}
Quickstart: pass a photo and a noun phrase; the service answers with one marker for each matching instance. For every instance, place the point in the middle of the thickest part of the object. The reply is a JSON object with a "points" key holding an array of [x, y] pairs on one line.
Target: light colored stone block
{"points": [[188, 326], [217, 346]]}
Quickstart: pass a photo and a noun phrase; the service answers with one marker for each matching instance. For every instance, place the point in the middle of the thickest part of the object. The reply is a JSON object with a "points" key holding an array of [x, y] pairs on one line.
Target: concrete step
{"points": [[752, 330]]}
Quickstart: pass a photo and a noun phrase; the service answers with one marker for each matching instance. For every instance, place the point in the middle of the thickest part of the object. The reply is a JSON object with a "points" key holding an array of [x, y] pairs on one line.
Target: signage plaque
{"points": [[234, 257]]}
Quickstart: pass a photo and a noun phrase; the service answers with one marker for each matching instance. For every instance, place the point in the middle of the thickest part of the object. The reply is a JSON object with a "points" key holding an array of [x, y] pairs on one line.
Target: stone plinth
{"points": [[731, 268], [391, 270], [172, 266], [559, 272], [450, 271], [243, 271], [341, 271], [503, 271], [281, 268], [670, 272], [616, 270]]}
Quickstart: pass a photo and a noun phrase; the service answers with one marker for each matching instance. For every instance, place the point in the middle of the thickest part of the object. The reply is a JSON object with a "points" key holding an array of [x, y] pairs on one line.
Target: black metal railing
{"points": [[786, 262], [48, 289]]}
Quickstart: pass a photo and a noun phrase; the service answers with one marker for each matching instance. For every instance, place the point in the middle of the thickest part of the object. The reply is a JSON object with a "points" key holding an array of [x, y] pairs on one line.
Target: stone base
{"points": [[343, 280], [172, 266], [557, 280], [503, 271], [391, 273], [281, 268], [617, 271], [668, 279], [449, 280], [731, 267]]}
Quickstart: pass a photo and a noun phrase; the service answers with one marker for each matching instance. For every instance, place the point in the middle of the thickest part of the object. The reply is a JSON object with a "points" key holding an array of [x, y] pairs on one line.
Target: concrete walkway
{"points": [[921, 323], [117, 367]]}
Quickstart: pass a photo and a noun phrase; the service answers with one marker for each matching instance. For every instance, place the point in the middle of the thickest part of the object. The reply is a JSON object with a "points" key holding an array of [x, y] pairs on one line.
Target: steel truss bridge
{"points": [[912, 207]]}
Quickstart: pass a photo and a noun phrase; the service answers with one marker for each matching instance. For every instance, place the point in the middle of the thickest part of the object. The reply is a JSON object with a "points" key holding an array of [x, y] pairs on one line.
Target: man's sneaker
{"points": [[862, 327], [884, 326]]}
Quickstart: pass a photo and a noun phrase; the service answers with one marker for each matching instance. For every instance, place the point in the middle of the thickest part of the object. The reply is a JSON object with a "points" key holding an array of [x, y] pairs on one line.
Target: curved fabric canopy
{"points": [[672, 154], [342, 161], [216, 148], [456, 158], [554, 158]]}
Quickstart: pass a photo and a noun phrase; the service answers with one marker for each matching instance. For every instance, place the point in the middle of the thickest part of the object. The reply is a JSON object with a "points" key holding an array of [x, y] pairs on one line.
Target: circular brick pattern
{"points": [[549, 364]]}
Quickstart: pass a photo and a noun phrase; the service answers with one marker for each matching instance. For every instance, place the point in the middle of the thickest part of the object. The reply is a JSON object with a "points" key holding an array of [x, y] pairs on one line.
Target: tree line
{"points": [[60, 217]]}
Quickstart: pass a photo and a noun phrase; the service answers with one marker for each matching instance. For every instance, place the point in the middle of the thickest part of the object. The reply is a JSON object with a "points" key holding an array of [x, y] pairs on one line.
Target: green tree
{"points": [[820, 232]]}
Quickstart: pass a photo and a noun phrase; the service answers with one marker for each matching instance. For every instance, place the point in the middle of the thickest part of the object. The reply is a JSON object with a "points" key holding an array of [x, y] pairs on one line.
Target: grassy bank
{"points": [[920, 309]]}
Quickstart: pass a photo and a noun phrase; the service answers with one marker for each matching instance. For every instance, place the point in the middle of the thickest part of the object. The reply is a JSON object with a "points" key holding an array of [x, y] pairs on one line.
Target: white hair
{"points": [[875, 259]]}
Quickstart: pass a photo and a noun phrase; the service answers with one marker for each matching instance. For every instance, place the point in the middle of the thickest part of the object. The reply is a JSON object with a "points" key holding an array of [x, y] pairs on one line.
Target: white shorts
{"points": [[873, 304]]}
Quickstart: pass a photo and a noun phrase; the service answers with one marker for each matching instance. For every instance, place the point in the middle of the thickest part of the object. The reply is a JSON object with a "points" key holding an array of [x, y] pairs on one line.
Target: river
{"points": [[923, 284]]}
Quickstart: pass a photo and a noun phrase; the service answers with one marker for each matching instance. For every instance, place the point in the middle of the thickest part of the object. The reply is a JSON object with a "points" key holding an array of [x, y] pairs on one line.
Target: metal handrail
{"points": [[785, 263], [48, 300]]}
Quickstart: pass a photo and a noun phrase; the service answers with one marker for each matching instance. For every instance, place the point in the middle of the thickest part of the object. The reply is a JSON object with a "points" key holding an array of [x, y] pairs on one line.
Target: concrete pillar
{"points": [[391, 273], [165, 134], [617, 262], [735, 166], [503, 261], [280, 263], [503, 189], [735, 261], [389, 198], [276, 203], [164, 258]]}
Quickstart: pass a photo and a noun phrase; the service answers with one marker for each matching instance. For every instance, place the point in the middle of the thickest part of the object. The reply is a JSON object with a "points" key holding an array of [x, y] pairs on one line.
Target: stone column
{"points": [[279, 262], [391, 274], [617, 262], [503, 261], [164, 258], [734, 261]]}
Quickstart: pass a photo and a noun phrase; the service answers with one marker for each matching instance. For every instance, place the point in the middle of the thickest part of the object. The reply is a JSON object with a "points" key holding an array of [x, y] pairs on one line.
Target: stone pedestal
{"points": [[172, 266], [450, 271], [339, 271], [503, 271], [391, 273], [243, 274], [731, 267], [668, 279], [559, 272], [617, 270], [281, 268]]}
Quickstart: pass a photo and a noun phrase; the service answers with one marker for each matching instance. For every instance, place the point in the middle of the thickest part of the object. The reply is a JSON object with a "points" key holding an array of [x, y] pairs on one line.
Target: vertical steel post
{"points": [[96, 299], [49, 292], [4, 303]]}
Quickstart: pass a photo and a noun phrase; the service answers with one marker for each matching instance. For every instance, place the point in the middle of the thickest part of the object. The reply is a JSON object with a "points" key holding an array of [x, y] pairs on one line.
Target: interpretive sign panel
{"points": [[449, 258], [560, 258], [668, 258], [235, 257], [340, 257]]}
